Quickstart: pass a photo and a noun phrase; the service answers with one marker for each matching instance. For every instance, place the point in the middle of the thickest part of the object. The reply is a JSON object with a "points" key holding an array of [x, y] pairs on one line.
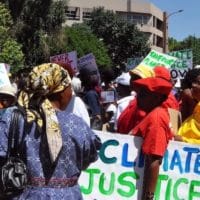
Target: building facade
{"points": [[146, 16]]}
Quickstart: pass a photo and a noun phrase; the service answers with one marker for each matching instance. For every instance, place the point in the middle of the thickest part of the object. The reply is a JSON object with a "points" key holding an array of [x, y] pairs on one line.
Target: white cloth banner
{"points": [[118, 172]]}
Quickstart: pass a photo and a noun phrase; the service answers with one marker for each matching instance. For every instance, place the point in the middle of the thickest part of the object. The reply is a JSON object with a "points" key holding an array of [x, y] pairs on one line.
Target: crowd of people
{"points": [[148, 103], [63, 108]]}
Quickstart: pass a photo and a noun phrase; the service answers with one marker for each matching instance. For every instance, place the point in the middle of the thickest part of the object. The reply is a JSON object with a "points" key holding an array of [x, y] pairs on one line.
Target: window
{"points": [[154, 21], [139, 19], [159, 42], [87, 13], [72, 13], [154, 39]]}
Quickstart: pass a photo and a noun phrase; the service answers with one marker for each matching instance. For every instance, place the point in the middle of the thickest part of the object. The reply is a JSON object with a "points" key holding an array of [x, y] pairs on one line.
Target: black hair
{"points": [[190, 76], [108, 75]]}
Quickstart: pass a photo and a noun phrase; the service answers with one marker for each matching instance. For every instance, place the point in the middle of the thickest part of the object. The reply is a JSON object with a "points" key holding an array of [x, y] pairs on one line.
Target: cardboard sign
{"points": [[175, 119], [118, 173], [107, 96]]}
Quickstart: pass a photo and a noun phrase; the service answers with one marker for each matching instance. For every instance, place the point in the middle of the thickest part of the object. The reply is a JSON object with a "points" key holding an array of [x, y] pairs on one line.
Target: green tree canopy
{"points": [[191, 42], [122, 39], [36, 25], [81, 39], [10, 50]]}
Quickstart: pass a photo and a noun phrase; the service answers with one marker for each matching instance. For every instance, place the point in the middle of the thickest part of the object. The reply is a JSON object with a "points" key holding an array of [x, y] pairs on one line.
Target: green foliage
{"points": [[174, 44], [56, 42], [10, 50], [191, 42], [122, 39], [15, 7], [5, 19], [81, 39], [11, 53], [36, 23]]}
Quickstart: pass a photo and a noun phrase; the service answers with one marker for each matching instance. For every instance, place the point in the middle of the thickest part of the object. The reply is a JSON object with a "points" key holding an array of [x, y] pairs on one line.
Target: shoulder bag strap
{"points": [[14, 149]]}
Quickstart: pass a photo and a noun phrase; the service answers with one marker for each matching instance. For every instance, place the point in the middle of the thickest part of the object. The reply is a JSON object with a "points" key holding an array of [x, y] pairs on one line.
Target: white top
{"points": [[77, 106], [76, 84], [112, 108], [124, 79]]}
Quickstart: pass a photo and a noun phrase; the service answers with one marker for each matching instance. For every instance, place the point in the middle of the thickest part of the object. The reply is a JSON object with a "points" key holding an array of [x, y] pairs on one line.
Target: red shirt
{"points": [[171, 102], [130, 117], [155, 131]]}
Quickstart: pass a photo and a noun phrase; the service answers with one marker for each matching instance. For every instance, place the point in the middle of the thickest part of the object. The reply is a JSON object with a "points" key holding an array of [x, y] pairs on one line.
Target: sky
{"points": [[182, 24]]}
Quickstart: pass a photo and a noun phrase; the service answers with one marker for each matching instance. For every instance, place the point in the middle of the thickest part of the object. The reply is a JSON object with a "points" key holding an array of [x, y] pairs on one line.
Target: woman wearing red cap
{"points": [[153, 128], [132, 115]]}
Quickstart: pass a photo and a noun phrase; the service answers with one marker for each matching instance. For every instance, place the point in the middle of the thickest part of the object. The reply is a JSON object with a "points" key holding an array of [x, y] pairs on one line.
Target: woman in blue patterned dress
{"points": [[59, 145]]}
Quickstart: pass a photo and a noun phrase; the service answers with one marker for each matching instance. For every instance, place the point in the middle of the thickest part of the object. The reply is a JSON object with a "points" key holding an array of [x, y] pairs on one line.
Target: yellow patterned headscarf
{"points": [[190, 128], [44, 80]]}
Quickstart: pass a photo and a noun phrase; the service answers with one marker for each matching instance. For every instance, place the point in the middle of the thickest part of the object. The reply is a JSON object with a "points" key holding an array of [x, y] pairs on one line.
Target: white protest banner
{"points": [[182, 64], [4, 79], [69, 58], [118, 172], [155, 58]]}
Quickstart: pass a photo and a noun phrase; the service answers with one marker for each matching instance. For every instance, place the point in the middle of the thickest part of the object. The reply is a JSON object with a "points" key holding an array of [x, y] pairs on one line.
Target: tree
{"points": [[122, 39], [191, 42], [10, 50], [174, 44], [36, 22], [81, 39]]}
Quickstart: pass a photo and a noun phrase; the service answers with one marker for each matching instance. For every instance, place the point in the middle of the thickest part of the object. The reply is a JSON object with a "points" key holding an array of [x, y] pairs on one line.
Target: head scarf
{"points": [[143, 71], [44, 80]]}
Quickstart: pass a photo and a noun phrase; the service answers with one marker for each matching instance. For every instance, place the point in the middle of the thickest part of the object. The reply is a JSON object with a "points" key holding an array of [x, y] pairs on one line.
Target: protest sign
{"points": [[155, 58], [108, 96], [87, 61], [69, 58], [183, 63], [88, 68], [118, 172], [175, 119], [133, 62], [4, 79]]}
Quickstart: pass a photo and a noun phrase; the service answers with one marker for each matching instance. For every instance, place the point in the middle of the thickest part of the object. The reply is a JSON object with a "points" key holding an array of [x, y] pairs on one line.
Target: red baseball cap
{"points": [[154, 84], [162, 72]]}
